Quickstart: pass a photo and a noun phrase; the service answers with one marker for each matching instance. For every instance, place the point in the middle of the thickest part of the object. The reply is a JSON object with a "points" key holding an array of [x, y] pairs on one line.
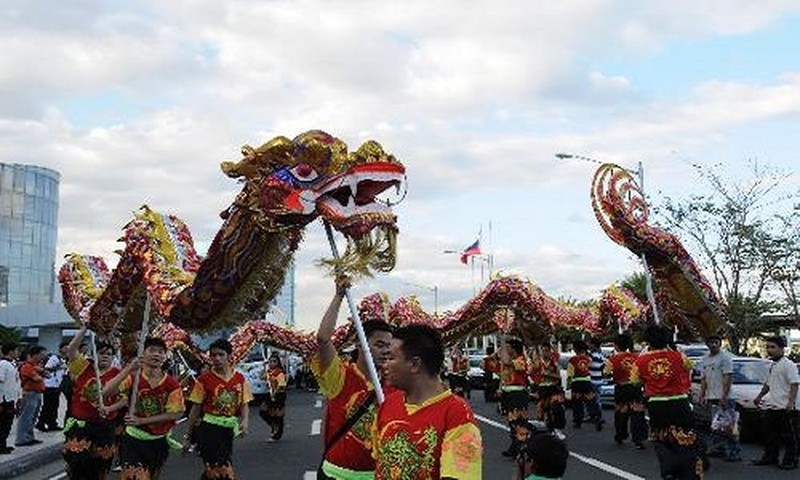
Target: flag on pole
{"points": [[474, 249]]}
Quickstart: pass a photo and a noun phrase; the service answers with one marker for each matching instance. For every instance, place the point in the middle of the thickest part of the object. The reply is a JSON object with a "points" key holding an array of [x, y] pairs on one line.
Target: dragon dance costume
{"points": [[273, 409], [438, 438], [665, 374], [458, 376], [514, 399], [628, 398], [550, 406], [221, 401], [145, 448], [89, 443], [346, 388], [583, 393]]}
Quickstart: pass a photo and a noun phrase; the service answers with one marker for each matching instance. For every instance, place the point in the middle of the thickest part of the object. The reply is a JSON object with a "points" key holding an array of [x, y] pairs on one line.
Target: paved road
{"points": [[594, 455]]}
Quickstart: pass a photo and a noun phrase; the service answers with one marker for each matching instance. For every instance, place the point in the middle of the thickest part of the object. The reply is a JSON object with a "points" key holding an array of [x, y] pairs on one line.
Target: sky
{"points": [[137, 102]]}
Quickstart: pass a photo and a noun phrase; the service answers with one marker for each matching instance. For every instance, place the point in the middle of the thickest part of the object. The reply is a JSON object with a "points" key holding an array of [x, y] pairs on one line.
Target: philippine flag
{"points": [[474, 249]]}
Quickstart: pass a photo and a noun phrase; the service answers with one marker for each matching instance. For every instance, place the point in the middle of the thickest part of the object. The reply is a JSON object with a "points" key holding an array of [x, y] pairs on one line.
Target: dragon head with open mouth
{"points": [[290, 183]]}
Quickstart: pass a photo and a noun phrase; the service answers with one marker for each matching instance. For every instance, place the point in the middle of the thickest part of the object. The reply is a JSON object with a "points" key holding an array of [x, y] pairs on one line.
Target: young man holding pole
{"points": [[221, 395], [350, 395], [157, 405], [89, 445]]}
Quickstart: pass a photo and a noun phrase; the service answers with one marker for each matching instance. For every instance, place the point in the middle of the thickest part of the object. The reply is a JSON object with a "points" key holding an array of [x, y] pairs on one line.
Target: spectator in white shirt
{"points": [[56, 366], [10, 393], [716, 376], [778, 400]]}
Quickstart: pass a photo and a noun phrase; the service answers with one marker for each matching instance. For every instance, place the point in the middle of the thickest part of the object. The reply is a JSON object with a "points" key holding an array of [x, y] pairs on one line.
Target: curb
{"points": [[16, 467]]}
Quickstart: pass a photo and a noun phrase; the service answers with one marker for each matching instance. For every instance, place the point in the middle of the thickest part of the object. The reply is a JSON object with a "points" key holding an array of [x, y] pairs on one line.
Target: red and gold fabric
{"points": [[490, 364], [85, 394], [578, 367], [166, 396], [346, 388], [220, 396], [437, 439], [276, 379], [622, 367], [549, 368], [28, 374], [665, 373], [460, 364], [513, 375]]}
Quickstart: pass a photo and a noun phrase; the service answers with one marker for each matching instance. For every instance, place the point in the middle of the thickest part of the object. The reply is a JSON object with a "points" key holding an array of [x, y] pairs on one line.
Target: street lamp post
{"points": [[639, 172]]}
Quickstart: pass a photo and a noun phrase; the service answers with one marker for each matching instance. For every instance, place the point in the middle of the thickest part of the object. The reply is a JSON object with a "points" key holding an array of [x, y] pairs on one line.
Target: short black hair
{"points": [[594, 342], [490, 350], [8, 347], [101, 345], [624, 342], [548, 454], [777, 340], [714, 336], [515, 345], [579, 346], [657, 337], [221, 344], [155, 342], [35, 350], [425, 342], [372, 326]]}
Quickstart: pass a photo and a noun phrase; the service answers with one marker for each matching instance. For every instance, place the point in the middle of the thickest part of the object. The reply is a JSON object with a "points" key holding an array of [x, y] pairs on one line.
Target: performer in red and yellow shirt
{"points": [[459, 366], [550, 406], [514, 397], [348, 453], [665, 374], [220, 399], [89, 445], [423, 431], [159, 403], [628, 398], [583, 394], [273, 409]]}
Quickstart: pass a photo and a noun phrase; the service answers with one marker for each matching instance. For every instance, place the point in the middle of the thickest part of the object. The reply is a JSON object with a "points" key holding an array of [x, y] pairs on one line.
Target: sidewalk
{"points": [[24, 459]]}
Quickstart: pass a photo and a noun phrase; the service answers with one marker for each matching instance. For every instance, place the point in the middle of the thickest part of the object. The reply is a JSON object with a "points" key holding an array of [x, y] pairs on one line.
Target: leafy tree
{"points": [[9, 334], [735, 227]]}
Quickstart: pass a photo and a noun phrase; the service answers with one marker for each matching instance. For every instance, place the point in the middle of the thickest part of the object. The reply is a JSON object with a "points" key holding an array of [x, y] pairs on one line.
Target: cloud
{"points": [[474, 100]]}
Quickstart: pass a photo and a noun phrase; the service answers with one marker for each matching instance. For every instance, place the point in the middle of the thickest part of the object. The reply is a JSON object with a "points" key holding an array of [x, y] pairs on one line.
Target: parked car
{"points": [[252, 367], [475, 375], [749, 374]]}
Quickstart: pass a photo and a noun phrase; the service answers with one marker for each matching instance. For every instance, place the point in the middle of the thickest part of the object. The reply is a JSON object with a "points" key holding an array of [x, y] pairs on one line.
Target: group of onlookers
{"points": [[31, 385]]}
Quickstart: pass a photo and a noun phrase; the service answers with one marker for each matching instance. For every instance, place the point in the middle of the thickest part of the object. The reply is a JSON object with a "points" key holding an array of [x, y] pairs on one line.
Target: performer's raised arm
{"points": [[325, 348]]}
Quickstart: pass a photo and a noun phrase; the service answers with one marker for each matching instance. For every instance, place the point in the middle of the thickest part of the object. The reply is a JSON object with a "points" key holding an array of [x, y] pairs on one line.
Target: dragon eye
{"points": [[304, 172]]}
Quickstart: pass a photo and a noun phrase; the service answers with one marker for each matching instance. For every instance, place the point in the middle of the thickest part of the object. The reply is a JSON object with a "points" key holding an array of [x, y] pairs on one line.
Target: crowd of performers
{"points": [[423, 429]]}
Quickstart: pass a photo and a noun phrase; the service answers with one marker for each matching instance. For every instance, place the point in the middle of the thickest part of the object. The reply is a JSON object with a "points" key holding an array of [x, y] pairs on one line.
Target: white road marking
{"points": [[316, 426], [318, 404], [587, 460], [310, 476]]}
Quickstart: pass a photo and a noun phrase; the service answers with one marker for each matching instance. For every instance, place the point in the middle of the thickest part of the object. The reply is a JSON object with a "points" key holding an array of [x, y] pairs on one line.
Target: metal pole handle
{"points": [[139, 351], [362, 337], [93, 344]]}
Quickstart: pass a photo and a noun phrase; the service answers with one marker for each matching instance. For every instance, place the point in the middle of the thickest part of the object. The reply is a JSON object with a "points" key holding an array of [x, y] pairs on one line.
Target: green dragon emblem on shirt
{"points": [[226, 401], [403, 459]]}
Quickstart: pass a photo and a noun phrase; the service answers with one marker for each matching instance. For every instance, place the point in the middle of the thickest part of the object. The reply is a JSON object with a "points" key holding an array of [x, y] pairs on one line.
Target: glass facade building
{"points": [[28, 233]]}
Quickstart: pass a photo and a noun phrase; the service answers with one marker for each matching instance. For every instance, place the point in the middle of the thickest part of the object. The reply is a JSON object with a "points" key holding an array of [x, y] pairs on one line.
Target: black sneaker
{"points": [[761, 462], [784, 465], [6, 450]]}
